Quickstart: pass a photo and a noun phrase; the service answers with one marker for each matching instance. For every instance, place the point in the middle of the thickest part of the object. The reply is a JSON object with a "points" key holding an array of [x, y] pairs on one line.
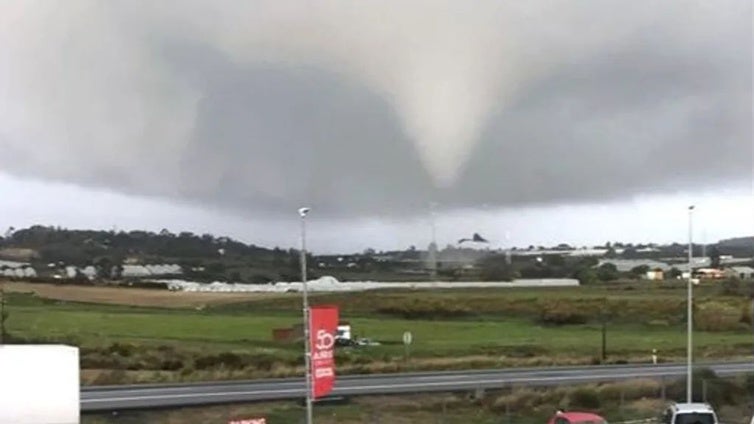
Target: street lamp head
{"points": [[691, 208], [303, 212]]}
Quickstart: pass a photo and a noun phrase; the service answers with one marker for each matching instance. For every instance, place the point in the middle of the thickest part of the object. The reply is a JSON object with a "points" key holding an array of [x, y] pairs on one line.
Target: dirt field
{"points": [[131, 296]]}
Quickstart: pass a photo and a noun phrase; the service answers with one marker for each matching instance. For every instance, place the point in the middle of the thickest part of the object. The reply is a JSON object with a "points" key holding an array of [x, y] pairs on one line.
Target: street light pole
{"points": [[433, 246], [689, 311], [305, 300]]}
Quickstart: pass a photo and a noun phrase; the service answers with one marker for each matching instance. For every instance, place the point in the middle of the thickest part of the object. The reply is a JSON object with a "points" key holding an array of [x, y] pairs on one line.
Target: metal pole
{"points": [[307, 353], [433, 246], [689, 311], [604, 340], [2, 312]]}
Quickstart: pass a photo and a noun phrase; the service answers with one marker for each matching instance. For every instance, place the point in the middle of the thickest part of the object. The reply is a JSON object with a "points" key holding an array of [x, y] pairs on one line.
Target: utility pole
{"points": [[690, 311], [752, 319], [508, 248], [604, 340], [603, 319], [305, 300], [432, 253], [3, 315]]}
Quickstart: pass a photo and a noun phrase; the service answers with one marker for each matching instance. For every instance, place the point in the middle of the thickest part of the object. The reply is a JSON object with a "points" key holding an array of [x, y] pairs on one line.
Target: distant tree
{"points": [[259, 279], [607, 272], [629, 252], [674, 273], [587, 262], [497, 272], [586, 276], [215, 268], [639, 271], [714, 257], [104, 267], [294, 262], [536, 271], [554, 260]]}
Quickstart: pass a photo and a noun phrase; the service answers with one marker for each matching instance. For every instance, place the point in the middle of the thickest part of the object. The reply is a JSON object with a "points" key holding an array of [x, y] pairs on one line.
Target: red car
{"points": [[576, 418]]}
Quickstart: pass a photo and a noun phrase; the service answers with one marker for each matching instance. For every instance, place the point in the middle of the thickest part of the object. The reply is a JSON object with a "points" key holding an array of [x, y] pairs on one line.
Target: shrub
{"points": [[587, 276], [225, 360], [424, 309], [731, 287], [749, 383], [719, 391], [110, 377], [717, 316], [98, 360], [122, 349], [554, 313], [518, 400], [585, 397], [171, 364], [635, 389]]}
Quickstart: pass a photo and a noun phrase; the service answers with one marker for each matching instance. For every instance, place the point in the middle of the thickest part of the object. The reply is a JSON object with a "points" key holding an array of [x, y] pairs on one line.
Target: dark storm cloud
{"points": [[379, 110]]}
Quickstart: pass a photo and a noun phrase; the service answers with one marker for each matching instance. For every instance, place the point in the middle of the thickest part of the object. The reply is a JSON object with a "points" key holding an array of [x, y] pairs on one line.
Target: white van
{"points": [[689, 413]]}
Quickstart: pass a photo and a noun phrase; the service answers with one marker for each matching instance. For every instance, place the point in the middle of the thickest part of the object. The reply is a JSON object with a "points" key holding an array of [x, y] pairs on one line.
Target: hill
{"points": [[202, 257]]}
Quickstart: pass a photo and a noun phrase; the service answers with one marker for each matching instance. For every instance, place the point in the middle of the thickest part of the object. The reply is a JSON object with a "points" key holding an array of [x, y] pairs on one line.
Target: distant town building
{"points": [[709, 273], [655, 275], [12, 264], [141, 271], [23, 271], [742, 272], [626, 265], [71, 271]]}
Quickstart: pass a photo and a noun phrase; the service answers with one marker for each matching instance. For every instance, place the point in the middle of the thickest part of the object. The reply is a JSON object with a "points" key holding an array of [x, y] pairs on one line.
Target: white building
{"points": [[742, 272], [25, 271], [152, 270]]}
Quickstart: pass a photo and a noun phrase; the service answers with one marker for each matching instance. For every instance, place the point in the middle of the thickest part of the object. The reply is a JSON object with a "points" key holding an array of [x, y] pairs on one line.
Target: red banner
{"points": [[323, 325]]}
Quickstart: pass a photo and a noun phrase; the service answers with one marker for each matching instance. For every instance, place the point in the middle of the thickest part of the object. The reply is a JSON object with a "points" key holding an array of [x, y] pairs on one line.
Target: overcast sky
{"points": [[551, 120]]}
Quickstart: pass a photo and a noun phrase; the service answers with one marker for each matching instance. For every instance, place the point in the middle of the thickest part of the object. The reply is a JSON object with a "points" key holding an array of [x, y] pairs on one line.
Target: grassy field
{"points": [[163, 336]]}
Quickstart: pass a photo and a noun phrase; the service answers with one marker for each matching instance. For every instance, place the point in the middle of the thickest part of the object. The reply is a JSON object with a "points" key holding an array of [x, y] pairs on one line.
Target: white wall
{"points": [[39, 384]]}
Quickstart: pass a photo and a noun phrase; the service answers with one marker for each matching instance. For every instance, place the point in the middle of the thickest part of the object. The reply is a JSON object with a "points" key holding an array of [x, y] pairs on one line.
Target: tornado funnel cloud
{"points": [[372, 108]]}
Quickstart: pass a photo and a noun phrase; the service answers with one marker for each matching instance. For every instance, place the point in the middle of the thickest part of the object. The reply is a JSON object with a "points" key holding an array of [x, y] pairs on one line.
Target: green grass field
{"points": [[452, 329]]}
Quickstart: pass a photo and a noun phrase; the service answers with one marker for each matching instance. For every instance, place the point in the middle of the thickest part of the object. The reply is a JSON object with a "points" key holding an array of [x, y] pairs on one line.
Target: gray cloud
{"points": [[263, 106]]}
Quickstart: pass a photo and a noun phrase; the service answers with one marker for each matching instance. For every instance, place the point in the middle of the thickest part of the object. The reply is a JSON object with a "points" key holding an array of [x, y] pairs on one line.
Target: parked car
{"points": [[576, 418], [689, 413]]}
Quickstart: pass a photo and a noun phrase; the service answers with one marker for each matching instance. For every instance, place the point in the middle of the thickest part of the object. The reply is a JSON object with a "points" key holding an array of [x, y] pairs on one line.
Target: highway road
{"points": [[112, 398]]}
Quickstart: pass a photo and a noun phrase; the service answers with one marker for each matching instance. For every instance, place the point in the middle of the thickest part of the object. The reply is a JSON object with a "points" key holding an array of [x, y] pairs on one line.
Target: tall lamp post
{"points": [[432, 253], [689, 311], [302, 212]]}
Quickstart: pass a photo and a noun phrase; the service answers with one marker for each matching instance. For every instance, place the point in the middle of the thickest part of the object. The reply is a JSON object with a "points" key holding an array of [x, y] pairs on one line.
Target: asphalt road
{"points": [[110, 398]]}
